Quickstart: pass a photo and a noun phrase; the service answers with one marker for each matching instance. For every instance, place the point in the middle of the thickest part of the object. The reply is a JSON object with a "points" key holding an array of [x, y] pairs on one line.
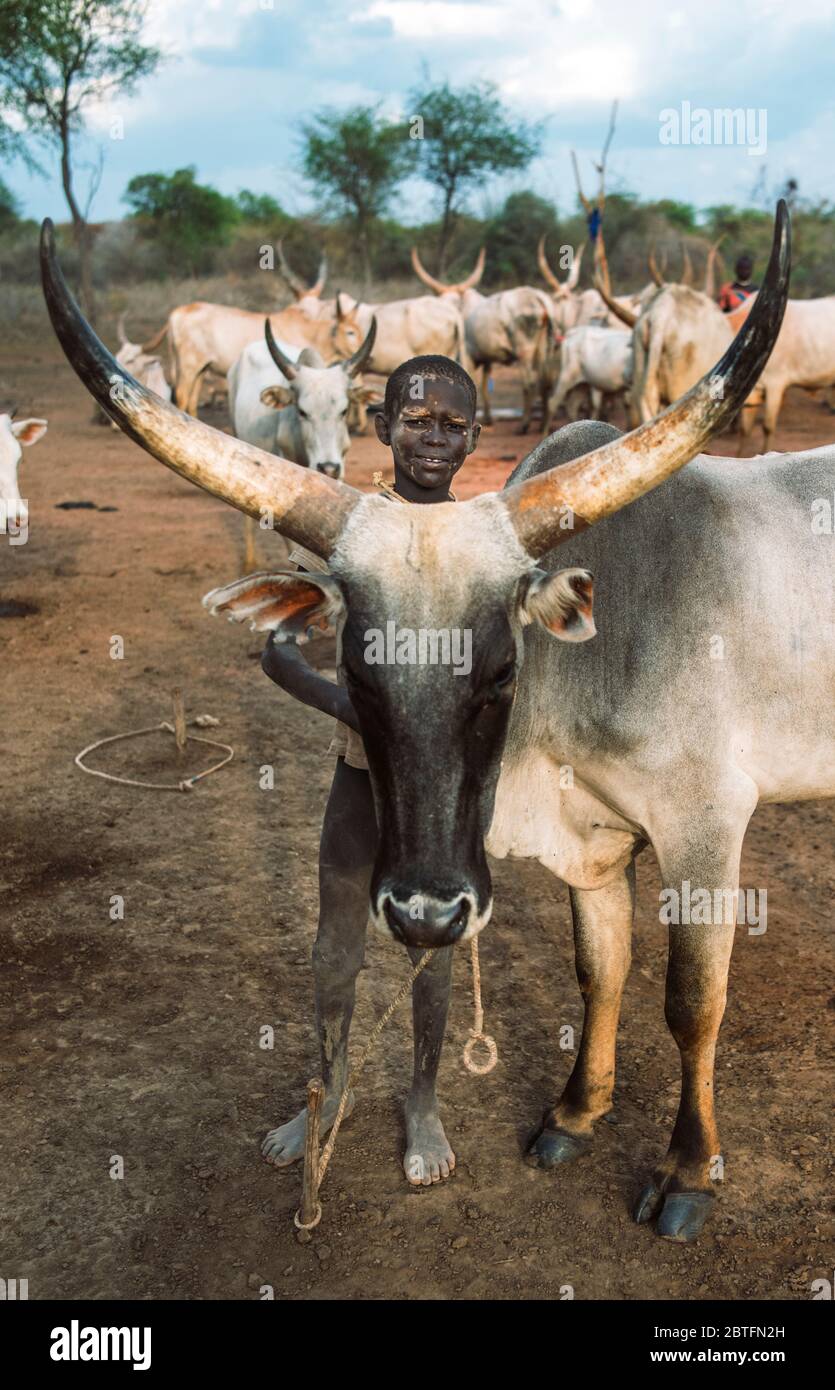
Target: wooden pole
{"points": [[310, 1181], [179, 723]]}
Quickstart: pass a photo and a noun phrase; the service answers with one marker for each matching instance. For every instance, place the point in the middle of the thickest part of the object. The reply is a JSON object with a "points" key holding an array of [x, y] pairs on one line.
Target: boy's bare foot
{"points": [[285, 1145], [428, 1157]]}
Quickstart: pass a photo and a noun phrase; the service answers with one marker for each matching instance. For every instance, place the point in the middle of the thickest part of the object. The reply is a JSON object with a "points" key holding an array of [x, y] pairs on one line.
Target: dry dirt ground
{"points": [[140, 1037]]}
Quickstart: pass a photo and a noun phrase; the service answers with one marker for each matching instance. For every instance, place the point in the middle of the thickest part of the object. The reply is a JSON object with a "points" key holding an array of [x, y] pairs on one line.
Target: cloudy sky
{"points": [[242, 72]]}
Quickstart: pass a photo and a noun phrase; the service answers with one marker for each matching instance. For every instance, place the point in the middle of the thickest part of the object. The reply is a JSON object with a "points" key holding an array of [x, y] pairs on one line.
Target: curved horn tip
{"points": [[285, 366], [357, 360]]}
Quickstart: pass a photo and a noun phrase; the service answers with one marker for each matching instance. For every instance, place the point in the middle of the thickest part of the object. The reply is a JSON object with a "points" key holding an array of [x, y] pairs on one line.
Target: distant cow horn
{"points": [[619, 310], [354, 364], [710, 268], [475, 275], [602, 482], [438, 285], [316, 288], [306, 506], [559, 286], [544, 269], [429, 280], [574, 273], [654, 271], [686, 267], [297, 285], [283, 363]]}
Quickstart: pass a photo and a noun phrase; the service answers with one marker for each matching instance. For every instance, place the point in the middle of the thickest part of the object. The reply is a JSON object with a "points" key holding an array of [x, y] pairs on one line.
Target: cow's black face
{"points": [[434, 732], [430, 604]]}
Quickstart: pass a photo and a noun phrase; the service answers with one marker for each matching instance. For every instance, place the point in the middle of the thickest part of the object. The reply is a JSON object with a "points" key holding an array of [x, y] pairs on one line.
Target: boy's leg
{"points": [[346, 855], [428, 1157]]}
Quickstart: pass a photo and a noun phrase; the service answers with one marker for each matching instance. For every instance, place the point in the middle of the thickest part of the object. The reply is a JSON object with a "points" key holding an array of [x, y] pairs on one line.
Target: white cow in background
{"points": [[146, 367], [600, 358], [14, 511], [288, 402]]}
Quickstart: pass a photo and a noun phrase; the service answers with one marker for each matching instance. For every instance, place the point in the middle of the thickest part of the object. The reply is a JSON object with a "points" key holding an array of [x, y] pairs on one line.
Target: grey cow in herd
{"points": [[666, 746]]}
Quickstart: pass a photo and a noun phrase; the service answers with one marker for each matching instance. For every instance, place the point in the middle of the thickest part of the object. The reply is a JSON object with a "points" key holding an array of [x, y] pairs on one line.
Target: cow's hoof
{"points": [[648, 1204], [684, 1214], [553, 1146]]}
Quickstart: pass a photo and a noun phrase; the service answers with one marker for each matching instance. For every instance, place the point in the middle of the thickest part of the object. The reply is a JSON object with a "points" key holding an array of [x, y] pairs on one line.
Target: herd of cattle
{"points": [[577, 351]]}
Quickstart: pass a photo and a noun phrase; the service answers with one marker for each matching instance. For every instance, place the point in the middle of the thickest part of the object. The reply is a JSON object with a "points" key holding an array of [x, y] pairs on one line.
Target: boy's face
{"points": [[431, 434]]}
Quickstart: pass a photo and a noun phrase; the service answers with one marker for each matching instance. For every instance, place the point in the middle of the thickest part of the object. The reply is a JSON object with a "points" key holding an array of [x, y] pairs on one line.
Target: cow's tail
{"points": [[153, 343]]}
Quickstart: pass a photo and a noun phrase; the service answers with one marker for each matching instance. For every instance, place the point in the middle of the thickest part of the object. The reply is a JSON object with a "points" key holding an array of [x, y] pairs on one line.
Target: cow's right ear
{"points": [[277, 396], [561, 602], [28, 431], [289, 603]]}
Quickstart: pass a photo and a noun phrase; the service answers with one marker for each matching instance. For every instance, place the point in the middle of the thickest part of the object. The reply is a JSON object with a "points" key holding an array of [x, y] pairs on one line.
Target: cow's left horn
{"points": [[600, 483], [308, 507]]}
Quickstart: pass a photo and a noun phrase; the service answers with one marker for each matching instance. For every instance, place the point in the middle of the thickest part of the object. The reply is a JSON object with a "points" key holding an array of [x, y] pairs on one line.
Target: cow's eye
{"points": [[505, 675], [302, 413]]}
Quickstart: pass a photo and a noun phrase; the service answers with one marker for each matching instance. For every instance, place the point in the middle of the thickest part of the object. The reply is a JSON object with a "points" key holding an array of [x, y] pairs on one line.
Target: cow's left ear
{"points": [[368, 395], [561, 602], [277, 396], [28, 431], [289, 603]]}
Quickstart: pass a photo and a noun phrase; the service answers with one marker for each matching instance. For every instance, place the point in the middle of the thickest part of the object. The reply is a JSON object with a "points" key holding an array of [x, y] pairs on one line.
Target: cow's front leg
{"points": [[428, 1157], [602, 946], [700, 904]]}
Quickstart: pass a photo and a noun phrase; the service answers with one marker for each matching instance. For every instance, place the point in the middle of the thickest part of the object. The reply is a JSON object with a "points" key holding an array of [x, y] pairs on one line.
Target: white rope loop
{"points": [[185, 785]]}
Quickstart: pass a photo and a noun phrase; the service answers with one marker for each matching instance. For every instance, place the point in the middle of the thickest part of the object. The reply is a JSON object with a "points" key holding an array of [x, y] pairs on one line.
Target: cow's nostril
{"points": [[333, 470], [421, 921]]}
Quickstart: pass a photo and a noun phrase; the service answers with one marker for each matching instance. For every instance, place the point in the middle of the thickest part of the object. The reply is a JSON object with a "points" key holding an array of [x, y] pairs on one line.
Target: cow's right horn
{"points": [[308, 507], [593, 487], [429, 280]]}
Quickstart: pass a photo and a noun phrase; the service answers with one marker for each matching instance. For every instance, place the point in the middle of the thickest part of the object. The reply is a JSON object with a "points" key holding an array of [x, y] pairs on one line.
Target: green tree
{"points": [[513, 234], [355, 160], [188, 219], [259, 207], [465, 135], [56, 56]]}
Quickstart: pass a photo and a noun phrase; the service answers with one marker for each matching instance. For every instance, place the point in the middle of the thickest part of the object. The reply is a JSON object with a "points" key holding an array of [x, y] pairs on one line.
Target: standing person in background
{"points": [[733, 294]]}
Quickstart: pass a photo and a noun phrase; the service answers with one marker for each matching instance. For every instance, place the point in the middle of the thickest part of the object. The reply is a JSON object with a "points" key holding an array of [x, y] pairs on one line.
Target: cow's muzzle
{"points": [[419, 919], [333, 470]]}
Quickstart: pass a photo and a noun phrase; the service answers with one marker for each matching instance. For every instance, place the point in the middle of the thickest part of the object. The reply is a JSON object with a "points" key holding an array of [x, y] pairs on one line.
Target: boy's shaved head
{"points": [[402, 386]]}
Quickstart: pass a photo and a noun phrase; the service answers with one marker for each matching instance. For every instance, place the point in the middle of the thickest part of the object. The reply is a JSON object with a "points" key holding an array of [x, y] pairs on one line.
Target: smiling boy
{"points": [[428, 422]]}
